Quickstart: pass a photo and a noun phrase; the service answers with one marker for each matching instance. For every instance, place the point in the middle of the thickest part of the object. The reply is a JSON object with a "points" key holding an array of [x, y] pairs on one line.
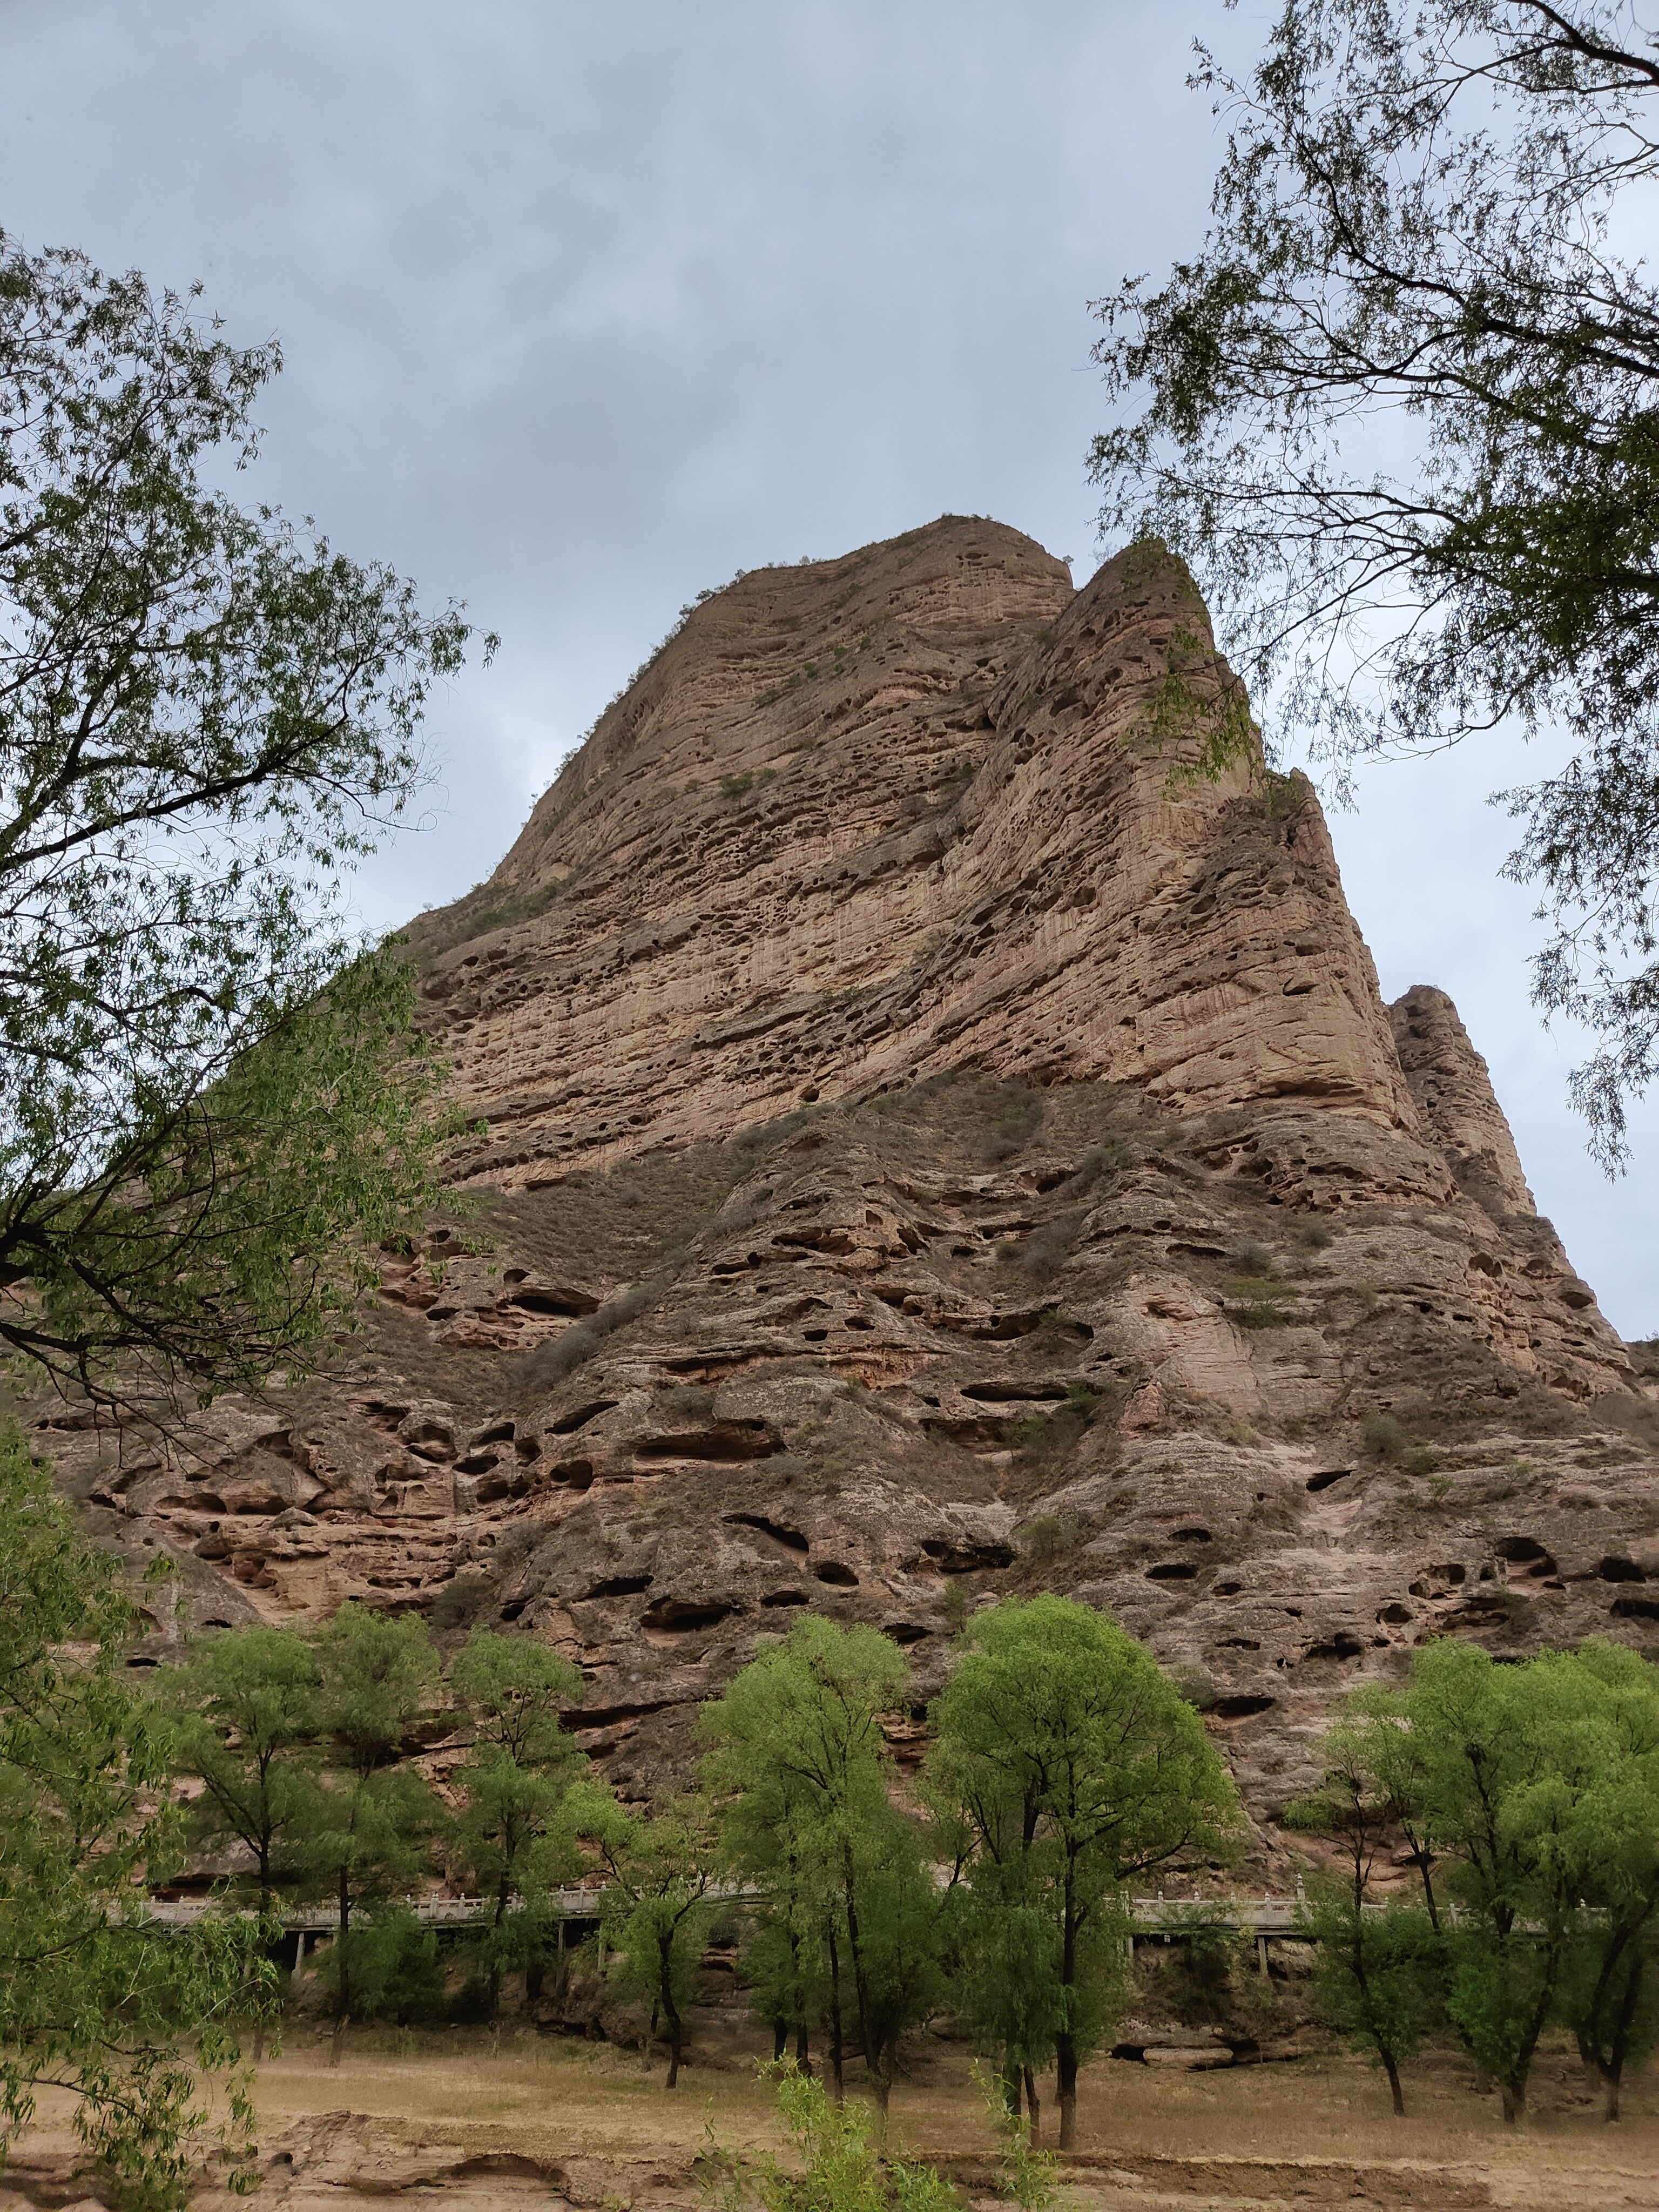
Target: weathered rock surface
{"points": [[935, 1148]]}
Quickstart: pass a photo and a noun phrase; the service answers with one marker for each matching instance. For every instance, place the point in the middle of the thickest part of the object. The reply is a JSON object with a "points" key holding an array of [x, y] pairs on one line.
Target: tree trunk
{"points": [[868, 2042], [1612, 2071], [837, 2085], [882, 2087], [1010, 2084], [1611, 2076], [803, 2052], [1393, 2072], [671, 2011], [342, 2008], [780, 2039], [1065, 2048], [495, 1954], [1065, 2090], [1514, 2097], [1031, 2107]]}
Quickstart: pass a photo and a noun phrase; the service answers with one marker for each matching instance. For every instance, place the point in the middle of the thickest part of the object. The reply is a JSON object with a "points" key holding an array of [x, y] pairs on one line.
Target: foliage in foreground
{"points": [[835, 2166], [140, 2028], [1398, 411], [212, 1104]]}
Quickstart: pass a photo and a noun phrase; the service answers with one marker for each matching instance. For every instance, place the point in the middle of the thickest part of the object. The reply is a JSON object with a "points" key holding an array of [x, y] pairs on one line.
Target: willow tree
{"points": [[1078, 1767], [1401, 414], [212, 1102]]}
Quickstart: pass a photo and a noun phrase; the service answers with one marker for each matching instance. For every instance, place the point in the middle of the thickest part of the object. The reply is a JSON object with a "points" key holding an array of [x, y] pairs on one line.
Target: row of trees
{"points": [[1525, 1799], [1065, 1765], [1063, 1768]]}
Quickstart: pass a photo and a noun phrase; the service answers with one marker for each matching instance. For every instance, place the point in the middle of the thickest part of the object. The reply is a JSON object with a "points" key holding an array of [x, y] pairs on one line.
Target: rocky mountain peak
{"points": [[938, 1145]]}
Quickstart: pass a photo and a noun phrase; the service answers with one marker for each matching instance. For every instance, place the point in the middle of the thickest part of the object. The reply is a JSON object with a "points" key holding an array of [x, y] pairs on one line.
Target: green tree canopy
{"points": [[139, 2029], [799, 1740], [1077, 1767], [370, 1826], [1401, 413], [1610, 1999], [511, 1831], [245, 1708], [1377, 1968], [211, 1105], [657, 1905], [1530, 1796]]}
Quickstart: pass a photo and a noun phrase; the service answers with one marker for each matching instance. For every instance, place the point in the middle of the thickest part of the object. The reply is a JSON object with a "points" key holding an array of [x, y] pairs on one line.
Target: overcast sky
{"points": [[585, 307]]}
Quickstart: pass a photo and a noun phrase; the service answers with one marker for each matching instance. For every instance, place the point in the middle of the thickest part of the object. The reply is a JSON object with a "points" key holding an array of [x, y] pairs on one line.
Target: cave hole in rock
{"points": [[513, 1607], [622, 1586], [565, 1305], [381, 1414], [479, 1463], [1525, 1552], [905, 1631], [431, 1440], [1345, 1644], [791, 1539], [1194, 1536], [1172, 1571], [1635, 1608], [1613, 1569], [959, 1556], [1238, 1644], [785, 1597], [498, 1432], [1317, 1482], [568, 1423], [1241, 1708], [673, 1616], [573, 1474], [726, 1443], [1010, 1394], [1451, 1575], [838, 1576], [1228, 1590], [1396, 1614]]}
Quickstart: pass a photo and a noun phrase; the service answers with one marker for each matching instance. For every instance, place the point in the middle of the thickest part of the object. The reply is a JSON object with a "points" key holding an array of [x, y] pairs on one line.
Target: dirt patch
{"points": [[524, 2122]]}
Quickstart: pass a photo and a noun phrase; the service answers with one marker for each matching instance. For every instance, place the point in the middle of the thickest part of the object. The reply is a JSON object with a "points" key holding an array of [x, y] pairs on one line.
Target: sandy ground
{"points": [[529, 2122]]}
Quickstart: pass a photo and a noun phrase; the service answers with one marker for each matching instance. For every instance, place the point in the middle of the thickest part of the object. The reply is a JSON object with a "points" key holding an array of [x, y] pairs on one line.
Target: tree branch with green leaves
{"points": [[1400, 413], [213, 1102]]}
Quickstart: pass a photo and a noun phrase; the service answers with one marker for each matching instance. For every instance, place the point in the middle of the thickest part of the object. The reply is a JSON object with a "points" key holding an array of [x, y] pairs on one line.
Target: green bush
{"points": [[1383, 1436], [395, 1971], [1251, 1258]]}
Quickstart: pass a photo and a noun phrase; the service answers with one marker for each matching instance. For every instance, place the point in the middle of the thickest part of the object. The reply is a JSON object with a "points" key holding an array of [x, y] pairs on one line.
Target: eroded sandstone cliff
{"points": [[936, 1147]]}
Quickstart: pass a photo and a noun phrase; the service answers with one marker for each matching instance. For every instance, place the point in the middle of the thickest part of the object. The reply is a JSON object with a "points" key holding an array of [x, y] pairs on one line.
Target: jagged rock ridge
{"points": [[933, 1150]]}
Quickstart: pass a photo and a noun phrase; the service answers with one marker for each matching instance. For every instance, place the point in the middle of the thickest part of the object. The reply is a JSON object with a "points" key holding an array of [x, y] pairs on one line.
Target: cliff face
{"points": [[864, 822], [936, 1148]]}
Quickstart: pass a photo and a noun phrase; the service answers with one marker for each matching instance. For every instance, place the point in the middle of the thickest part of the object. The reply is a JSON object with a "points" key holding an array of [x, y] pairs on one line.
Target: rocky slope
{"points": [[937, 1147]]}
